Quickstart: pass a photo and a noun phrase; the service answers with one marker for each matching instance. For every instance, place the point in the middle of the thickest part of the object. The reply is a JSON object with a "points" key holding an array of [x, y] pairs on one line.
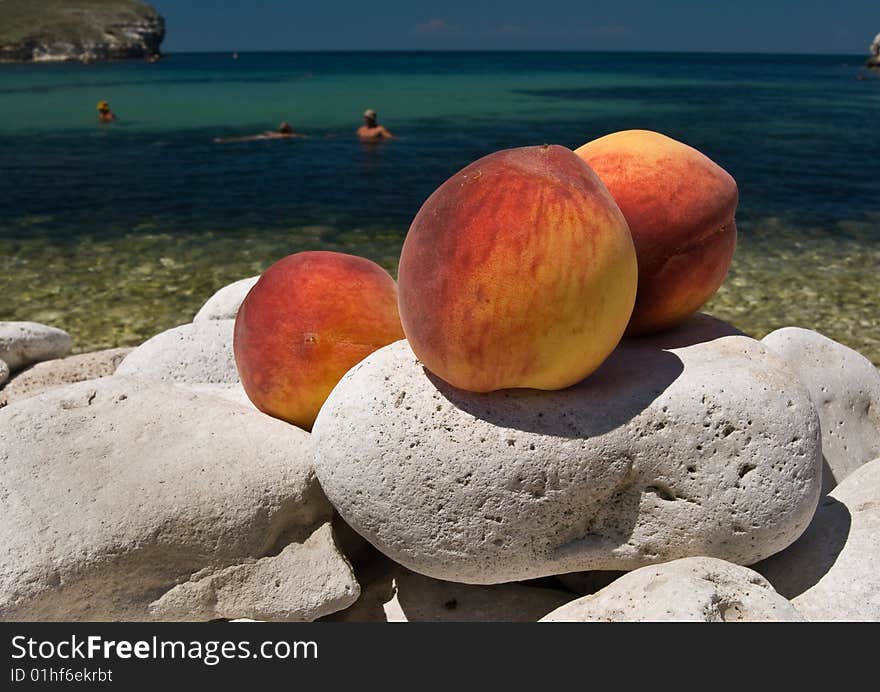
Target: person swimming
{"points": [[105, 115], [371, 130], [284, 131]]}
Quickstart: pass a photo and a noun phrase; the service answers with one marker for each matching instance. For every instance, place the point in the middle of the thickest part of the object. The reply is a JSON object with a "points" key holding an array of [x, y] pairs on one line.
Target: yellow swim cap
{"points": [[103, 106]]}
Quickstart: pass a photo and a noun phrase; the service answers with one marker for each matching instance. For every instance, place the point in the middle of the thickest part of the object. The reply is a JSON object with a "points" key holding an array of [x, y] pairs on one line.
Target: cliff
{"points": [[86, 30], [874, 60]]}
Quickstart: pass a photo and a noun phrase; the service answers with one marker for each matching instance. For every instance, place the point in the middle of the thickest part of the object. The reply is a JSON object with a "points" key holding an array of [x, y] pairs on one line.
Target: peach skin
{"points": [[680, 207], [518, 271], [310, 318]]}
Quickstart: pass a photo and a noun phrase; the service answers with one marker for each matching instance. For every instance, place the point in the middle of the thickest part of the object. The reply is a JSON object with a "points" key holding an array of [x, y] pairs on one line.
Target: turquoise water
{"points": [[116, 232]]}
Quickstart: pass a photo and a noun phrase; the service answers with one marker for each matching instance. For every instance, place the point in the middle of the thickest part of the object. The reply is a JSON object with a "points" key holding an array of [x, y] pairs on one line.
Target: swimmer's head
{"points": [[103, 107], [370, 116], [285, 128]]}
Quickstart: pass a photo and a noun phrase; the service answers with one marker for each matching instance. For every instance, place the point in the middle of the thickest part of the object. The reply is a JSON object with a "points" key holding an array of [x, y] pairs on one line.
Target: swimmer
{"points": [[105, 115], [371, 130], [284, 131]]}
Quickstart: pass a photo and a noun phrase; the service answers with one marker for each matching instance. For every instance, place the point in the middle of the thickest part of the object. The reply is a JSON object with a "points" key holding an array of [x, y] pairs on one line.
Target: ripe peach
{"points": [[518, 271], [310, 318], [680, 207]]}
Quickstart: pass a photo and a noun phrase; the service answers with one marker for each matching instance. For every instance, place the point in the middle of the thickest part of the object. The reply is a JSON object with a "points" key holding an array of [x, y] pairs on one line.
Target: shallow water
{"points": [[115, 233]]}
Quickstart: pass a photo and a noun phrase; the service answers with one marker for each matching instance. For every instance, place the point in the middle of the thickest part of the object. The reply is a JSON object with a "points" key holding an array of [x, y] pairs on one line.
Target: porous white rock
{"points": [[845, 388], [302, 583], [61, 371], [196, 353], [832, 572], [230, 392], [23, 343], [392, 593], [124, 499], [694, 589], [224, 304], [679, 445]]}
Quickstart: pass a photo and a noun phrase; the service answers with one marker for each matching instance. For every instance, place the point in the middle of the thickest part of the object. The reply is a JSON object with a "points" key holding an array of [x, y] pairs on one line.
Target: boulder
{"points": [[24, 343], [695, 589], [124, 499], [224, 304], [845, 388], [230, 392], [391, 593], [681, 444], [196, 353], [832, 572], [61, 371], [302, 583], [4, 372]]}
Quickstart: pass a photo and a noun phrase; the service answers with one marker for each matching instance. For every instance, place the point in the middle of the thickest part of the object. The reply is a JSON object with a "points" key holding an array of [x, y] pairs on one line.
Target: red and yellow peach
{"points": [[680, 207], [518, 271], [310, 318]]}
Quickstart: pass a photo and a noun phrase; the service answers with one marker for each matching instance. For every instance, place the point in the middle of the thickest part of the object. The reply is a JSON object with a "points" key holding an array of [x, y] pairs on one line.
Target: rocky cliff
{"points": [[85, 30], [874, 60]]}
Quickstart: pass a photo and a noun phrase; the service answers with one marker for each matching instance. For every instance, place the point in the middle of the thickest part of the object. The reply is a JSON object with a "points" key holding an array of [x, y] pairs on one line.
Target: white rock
{"points": [[695, 589], [303, 582], [832, 572], [391, 593], [4, 372], [124, 499], [224, 304], [230, 392], [709, 449], [196, 353], [845, 388], [23, 343], [61, 371]]}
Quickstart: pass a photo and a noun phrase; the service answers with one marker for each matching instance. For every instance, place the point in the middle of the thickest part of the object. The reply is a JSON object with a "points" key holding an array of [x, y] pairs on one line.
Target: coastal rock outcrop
{"points": [[696, 589], [41, 31], [25, 343], [4, 372], [61, 371], [688, 443], [832, 572], [195, 353], [125, 499], [874, 59], [845, 389], [224, 304]]}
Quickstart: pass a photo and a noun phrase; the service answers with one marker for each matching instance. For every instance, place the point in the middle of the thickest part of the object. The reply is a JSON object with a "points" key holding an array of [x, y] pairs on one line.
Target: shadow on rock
{"points": [[632, 378], [803, 564]]}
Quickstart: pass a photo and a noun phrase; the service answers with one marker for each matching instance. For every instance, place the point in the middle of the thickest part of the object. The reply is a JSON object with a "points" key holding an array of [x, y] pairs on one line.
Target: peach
{"points": [[310, 318], [518, 271], [680, 207]]}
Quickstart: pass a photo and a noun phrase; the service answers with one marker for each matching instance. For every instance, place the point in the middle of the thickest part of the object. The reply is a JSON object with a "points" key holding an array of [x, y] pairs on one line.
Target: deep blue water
{"points": [[797, 132]]}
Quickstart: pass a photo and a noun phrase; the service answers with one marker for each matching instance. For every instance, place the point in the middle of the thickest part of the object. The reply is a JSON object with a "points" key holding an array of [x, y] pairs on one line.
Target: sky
{"points": [[782, 26]]}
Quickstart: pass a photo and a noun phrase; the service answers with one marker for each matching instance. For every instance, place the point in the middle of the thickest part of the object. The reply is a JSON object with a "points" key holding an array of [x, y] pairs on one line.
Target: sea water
{"points": [[115, 232]]}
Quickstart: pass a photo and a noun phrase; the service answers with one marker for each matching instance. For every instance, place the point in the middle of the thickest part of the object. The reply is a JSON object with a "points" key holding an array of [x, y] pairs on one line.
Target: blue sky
{"points": [[685, 25]]}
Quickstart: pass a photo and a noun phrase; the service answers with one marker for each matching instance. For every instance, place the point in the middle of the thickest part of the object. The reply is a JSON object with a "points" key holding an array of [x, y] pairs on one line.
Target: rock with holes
{"points": [[196, 353], [224, 304], [693, 442], [845, 388], [124, 499], [24, 343], [694, 589], [832, 572], [391, 593], [4, 372], [61, 371]]}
